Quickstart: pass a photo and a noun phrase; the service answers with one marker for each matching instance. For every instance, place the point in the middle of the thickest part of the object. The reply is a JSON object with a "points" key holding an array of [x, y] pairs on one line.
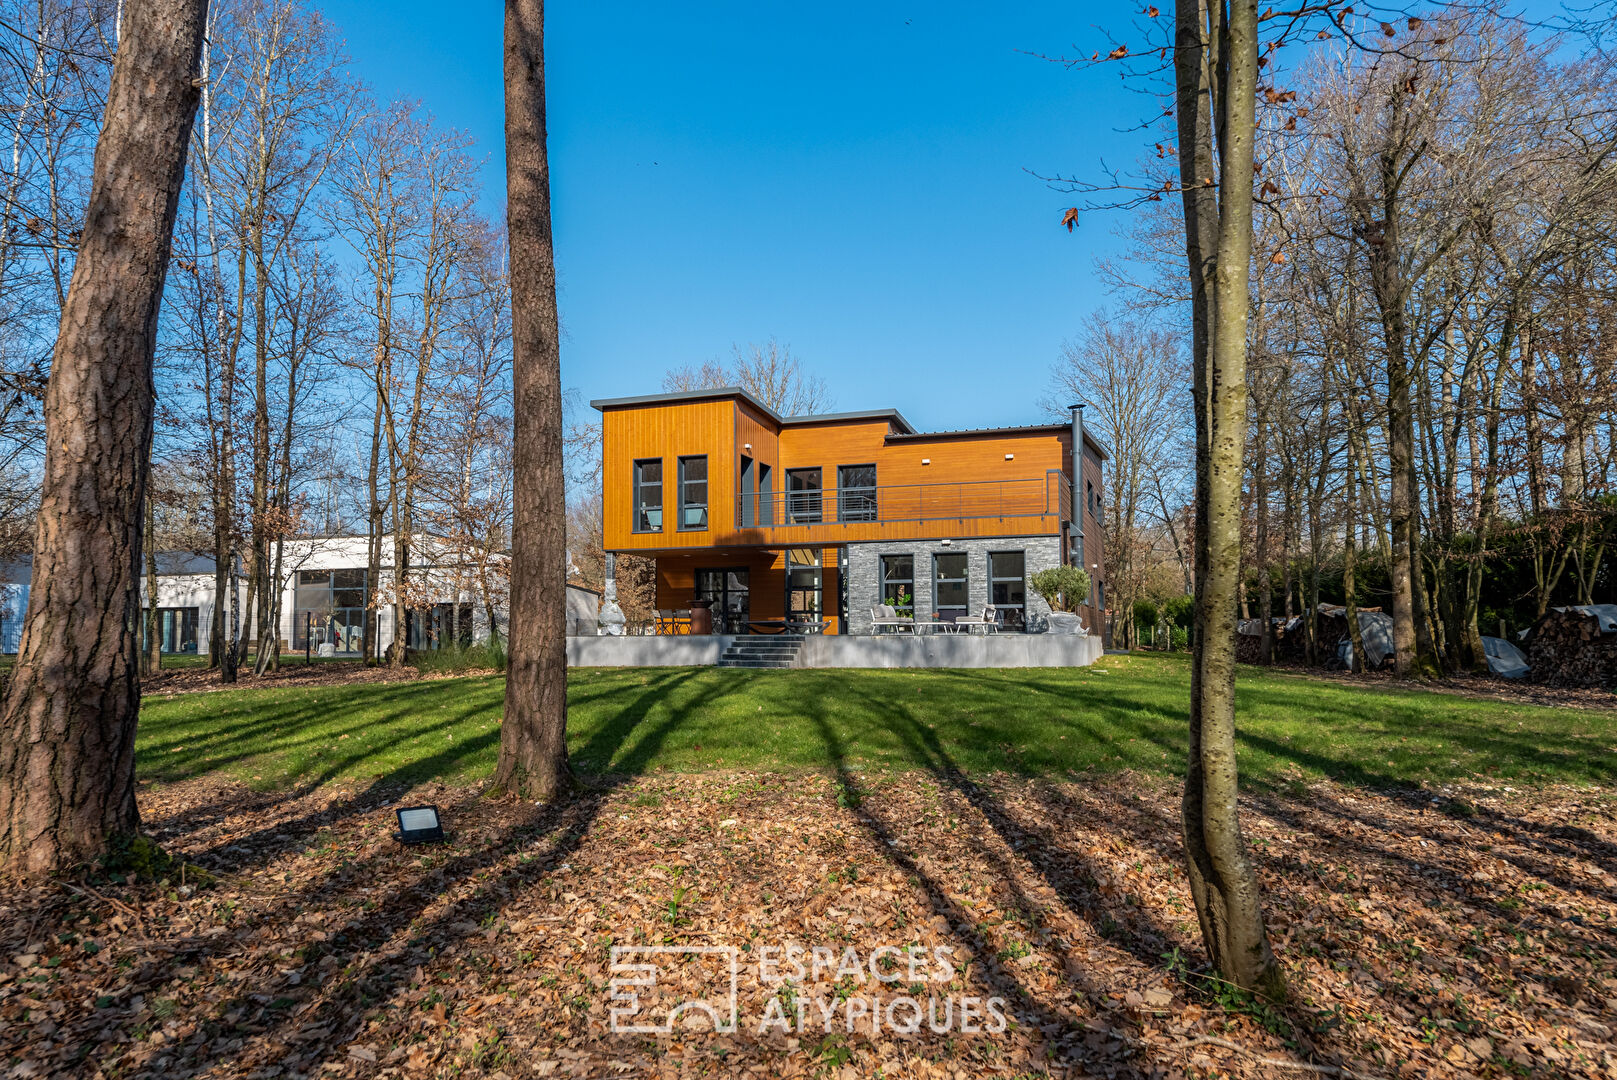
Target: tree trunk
{"points": [[67, 725], [1350, 585], [1218, 248], [1260, 554], [152, 658], [533, 738]]}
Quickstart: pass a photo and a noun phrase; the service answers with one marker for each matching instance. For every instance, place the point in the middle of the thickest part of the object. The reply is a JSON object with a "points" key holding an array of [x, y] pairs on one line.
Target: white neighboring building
{"points": [[324, 596]]}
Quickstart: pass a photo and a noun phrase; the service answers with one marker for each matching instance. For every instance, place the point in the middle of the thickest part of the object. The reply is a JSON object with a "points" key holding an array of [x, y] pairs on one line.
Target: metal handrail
{"points": [[1023, 497]]}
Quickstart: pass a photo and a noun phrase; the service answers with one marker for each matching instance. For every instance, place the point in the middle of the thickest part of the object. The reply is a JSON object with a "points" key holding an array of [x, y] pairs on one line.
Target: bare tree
{"points": [[67, 734], [1131, 374], [769, 372]]}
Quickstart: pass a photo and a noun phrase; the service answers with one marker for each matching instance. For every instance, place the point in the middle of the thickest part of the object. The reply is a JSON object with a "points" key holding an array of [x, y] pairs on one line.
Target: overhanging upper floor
{"points": [[718, 468]]}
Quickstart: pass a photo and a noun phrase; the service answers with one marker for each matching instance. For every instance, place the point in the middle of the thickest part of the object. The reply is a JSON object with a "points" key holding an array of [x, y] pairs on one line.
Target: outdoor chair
{"points": [[988, 620], [884, 615], [673, 622]]}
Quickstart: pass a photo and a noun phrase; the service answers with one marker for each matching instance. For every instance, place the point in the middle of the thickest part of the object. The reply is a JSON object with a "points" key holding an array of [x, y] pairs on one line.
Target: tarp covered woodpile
{"points": [[1375, 629], [1290, 638], [1575, 646]]}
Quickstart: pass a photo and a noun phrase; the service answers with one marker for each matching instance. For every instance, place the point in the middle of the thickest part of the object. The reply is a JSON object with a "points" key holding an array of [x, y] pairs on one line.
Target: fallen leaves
{"points": [[1417, 941]]}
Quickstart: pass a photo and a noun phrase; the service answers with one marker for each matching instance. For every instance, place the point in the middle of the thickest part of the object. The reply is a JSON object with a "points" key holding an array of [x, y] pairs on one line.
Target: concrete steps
{"points": [[762, 651]]}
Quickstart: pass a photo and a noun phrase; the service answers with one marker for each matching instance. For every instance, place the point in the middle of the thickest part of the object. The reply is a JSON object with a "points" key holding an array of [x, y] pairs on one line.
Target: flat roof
{"points": [[1023, 429], [737, 392]]}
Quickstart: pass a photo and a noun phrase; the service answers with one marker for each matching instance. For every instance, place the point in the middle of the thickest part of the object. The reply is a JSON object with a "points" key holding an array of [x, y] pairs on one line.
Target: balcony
{"points": [[834, 514]]}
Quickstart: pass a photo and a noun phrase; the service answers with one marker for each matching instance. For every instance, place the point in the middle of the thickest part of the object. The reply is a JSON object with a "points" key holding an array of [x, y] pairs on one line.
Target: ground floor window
{"points": [[329, 609], [1007, 588], [950, 585], [730, 593], [176, 629], [805, 585], [898, 582], [439, 626]]}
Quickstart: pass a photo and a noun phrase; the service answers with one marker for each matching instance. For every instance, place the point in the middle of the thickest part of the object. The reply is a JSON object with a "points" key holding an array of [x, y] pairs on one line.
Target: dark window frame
{"points": [[965, 582], [808, 501], [883, 580], [858, 502], [817, 590], [683, 485], [746, 477], [639, 484], [766, 494], [1005, 610]]}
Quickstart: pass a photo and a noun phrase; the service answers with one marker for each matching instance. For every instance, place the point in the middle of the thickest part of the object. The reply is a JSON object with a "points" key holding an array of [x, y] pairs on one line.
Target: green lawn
{"points": [[1125, 713]]}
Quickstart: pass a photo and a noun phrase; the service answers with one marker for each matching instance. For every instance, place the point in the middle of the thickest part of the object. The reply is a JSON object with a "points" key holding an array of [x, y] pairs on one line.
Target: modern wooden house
{"points": [[807, 522]]}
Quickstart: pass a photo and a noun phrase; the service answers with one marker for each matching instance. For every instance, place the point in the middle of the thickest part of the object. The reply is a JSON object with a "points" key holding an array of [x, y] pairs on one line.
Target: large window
{"points": [[648, 495], [949, 588], [804, 585], [898, 582], [329, 609], [803, 496], [439, 626], [856, 493], [1007, 587], [176, 629], [693, 493]]}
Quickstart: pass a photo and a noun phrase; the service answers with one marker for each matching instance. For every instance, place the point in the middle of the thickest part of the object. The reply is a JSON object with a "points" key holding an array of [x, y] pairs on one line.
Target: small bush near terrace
{"points": [[458, 659], [1124, 714]]}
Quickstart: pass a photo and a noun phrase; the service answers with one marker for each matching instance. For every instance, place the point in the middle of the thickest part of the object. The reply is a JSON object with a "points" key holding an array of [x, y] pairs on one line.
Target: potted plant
{"points": [[1063, 588]]}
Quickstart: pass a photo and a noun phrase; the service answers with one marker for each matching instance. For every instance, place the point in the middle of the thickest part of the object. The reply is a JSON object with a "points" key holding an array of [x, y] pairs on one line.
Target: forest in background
{"points": [[1431, 328]]}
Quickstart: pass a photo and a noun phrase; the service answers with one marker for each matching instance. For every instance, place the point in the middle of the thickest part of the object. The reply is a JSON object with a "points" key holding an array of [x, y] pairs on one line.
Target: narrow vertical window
{"points": [[803, 496], [1007, 588], [856, 493], [898, 583], [693, 492], [766, 495], [648, 495], [949, 589], [749, 501]]}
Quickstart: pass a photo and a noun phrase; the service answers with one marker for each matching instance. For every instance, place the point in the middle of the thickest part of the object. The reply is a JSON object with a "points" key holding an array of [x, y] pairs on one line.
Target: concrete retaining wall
{"points": [[950, 651], [675, 650], [830, 651]]}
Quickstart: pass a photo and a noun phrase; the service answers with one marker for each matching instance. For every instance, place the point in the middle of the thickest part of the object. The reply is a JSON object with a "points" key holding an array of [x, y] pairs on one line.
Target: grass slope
{"points": [[1124, 713]]}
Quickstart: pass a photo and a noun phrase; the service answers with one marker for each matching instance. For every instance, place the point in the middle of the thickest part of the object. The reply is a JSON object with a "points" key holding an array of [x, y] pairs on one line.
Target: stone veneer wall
{"points": [[864, 574]]}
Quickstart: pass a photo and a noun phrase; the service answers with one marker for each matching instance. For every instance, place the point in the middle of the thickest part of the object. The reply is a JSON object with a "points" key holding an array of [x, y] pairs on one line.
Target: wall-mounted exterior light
{"points": [[1010, 457], [926, 461]]}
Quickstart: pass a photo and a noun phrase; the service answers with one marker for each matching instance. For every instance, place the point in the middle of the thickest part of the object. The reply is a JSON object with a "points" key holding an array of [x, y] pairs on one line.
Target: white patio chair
{"points": [[883, 615]]}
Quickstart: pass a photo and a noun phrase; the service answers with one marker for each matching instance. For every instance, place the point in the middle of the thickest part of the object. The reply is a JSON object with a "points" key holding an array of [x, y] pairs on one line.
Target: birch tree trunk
{"points": [[67, 724], [1216, 63], [533, 738]]}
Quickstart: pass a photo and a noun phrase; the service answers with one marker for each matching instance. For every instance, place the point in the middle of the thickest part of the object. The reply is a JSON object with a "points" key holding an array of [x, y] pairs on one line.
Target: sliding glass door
{"points": [[730, 593]]}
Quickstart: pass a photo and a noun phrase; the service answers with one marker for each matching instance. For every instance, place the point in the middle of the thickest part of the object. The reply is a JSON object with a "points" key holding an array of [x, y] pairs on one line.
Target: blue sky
{"points": [[854, 180]]}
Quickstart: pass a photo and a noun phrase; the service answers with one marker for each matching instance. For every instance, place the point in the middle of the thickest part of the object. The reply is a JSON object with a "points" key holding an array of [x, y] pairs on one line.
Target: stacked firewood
{"points": [[1568, 648], [1290, 641]]}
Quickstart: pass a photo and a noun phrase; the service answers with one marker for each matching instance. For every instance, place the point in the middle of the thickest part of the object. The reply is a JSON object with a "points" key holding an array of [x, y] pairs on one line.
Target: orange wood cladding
{"points": [[766, 581], [968, 488]]}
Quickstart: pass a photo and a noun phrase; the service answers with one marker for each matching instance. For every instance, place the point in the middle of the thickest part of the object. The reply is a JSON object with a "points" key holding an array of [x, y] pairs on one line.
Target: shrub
{"points": [[1181, 611], [1063, 587], [485, 656]]}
